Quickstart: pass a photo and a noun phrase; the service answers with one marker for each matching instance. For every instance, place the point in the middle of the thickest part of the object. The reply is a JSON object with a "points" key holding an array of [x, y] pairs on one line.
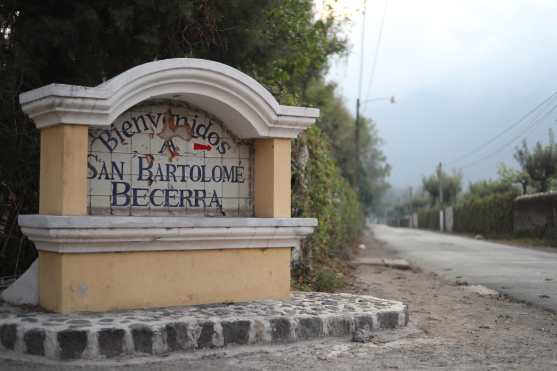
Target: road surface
{"points": [[522, 273]]}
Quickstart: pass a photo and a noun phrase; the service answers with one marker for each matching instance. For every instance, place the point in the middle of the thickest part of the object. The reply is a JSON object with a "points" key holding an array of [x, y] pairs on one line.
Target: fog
{"points": [[461, 71]]}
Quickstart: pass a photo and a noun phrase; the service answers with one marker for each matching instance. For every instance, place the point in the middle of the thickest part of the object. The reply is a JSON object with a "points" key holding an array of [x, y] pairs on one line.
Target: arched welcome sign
{"points": [[169, 158], [178, 170]]}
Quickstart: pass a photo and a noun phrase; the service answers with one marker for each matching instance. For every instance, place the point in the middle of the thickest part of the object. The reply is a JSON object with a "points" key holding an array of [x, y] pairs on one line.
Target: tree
{"points": [[338, 125], [512, 176], [540, 163], [84, 42], [418, 202], [485, 188], [451, 184]]}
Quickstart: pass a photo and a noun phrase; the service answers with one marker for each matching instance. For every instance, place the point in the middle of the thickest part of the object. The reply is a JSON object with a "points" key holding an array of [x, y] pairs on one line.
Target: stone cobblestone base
{"points": [[160, 331]]}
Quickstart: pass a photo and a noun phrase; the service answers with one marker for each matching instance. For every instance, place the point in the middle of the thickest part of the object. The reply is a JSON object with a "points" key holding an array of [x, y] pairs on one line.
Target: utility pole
{"points": [[442, 211], [357, 145], [357, 123], [440, 178]]}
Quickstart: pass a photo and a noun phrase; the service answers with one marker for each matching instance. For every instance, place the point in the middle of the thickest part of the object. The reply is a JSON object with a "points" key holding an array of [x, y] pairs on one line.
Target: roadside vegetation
{"points": [[282, 44], [489, 207]]}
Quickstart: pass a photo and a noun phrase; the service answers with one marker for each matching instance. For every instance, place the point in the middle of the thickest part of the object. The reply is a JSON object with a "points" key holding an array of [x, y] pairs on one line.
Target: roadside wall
{"points": [[536, 215]]}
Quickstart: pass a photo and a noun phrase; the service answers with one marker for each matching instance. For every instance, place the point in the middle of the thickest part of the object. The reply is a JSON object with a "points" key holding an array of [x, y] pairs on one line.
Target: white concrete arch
{"points": [[246, 107]]}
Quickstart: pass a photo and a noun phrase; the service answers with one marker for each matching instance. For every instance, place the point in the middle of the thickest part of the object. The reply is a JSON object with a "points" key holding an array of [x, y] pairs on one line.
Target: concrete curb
{"points": [[160, 331]]}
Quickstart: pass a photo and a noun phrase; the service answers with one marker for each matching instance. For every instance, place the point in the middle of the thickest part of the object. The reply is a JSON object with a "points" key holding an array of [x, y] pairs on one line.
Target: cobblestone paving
{"points": [[160, 331]]}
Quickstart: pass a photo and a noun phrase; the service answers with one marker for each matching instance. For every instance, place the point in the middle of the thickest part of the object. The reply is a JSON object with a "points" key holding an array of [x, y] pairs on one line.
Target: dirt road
{"points": [[451, 328]]}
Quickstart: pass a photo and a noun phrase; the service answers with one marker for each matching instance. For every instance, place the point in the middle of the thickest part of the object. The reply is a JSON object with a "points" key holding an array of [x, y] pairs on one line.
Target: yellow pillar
{"points": [[63, 181], [63, 191], [272, 178]]}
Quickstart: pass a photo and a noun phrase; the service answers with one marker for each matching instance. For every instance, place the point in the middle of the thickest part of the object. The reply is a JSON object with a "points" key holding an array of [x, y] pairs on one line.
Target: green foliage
{"points": [[415, 203], [539, 163], [319, 191], [429, 218], [338, 125], [484, 188], [490, 216], [512, 176], [279, 43], [326, 280], [452, 185]]}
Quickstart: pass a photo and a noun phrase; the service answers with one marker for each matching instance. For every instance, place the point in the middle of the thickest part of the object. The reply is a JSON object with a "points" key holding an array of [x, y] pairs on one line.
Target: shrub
{"points": [[319, 191], [491, 215], [429, 218], [326, 280]]}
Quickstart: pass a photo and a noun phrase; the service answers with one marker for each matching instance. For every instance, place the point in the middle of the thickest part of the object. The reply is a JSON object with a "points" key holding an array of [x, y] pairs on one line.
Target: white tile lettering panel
{"points": [[168, 158]]}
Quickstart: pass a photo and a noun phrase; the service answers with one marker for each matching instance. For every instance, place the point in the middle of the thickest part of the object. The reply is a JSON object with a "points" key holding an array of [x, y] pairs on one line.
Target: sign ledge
{"points": [[95, 234], [114, 222]]}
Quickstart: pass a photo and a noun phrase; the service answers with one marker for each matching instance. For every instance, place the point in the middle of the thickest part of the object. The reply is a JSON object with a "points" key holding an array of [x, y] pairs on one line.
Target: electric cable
{"points": [[520, 136], [504, 131], [377, 49]]}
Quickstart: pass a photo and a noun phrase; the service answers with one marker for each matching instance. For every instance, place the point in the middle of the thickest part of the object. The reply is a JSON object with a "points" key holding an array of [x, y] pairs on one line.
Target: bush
{"points": [[491, 216], [326, 280], [429, 218], [319, 191]]}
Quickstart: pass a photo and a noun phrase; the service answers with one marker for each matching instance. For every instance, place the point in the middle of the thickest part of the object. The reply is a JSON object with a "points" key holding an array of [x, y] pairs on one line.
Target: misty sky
{"points": [[461, 71]]}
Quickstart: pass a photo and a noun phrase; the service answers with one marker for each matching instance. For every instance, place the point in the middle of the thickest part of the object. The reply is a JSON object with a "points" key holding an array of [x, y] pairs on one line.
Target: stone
{"points": [[309, 328], [72, 343], [79, 322], [177, 337], [111, 342], [25, 290], [339, 327], [481, 290], [280, 329], [236, 332], [34, 342], [142, 339], [205, 339], [387, 320], [362, 335], [8, 336], [191, 327], [364, 321]]}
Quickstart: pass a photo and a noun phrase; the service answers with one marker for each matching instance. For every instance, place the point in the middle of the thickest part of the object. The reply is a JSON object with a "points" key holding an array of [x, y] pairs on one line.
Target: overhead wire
{"points": [[377, 49], [362, 50], [514, 139], [504, 131]]}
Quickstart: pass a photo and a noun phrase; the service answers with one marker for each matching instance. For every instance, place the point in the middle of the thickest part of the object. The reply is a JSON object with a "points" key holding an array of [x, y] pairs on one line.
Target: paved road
{"points": [[523, 273]]}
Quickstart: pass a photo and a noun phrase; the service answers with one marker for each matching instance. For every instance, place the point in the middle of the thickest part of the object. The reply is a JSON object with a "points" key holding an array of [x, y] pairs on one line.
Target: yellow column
{"points": [[272, 178], [63, 191], [63, 182]]}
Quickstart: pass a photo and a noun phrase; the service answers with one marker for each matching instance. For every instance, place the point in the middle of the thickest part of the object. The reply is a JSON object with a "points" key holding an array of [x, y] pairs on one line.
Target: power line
{"points": [[519, 136], [504, 131], [362, 50], [377, 48], [356, 178]]}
